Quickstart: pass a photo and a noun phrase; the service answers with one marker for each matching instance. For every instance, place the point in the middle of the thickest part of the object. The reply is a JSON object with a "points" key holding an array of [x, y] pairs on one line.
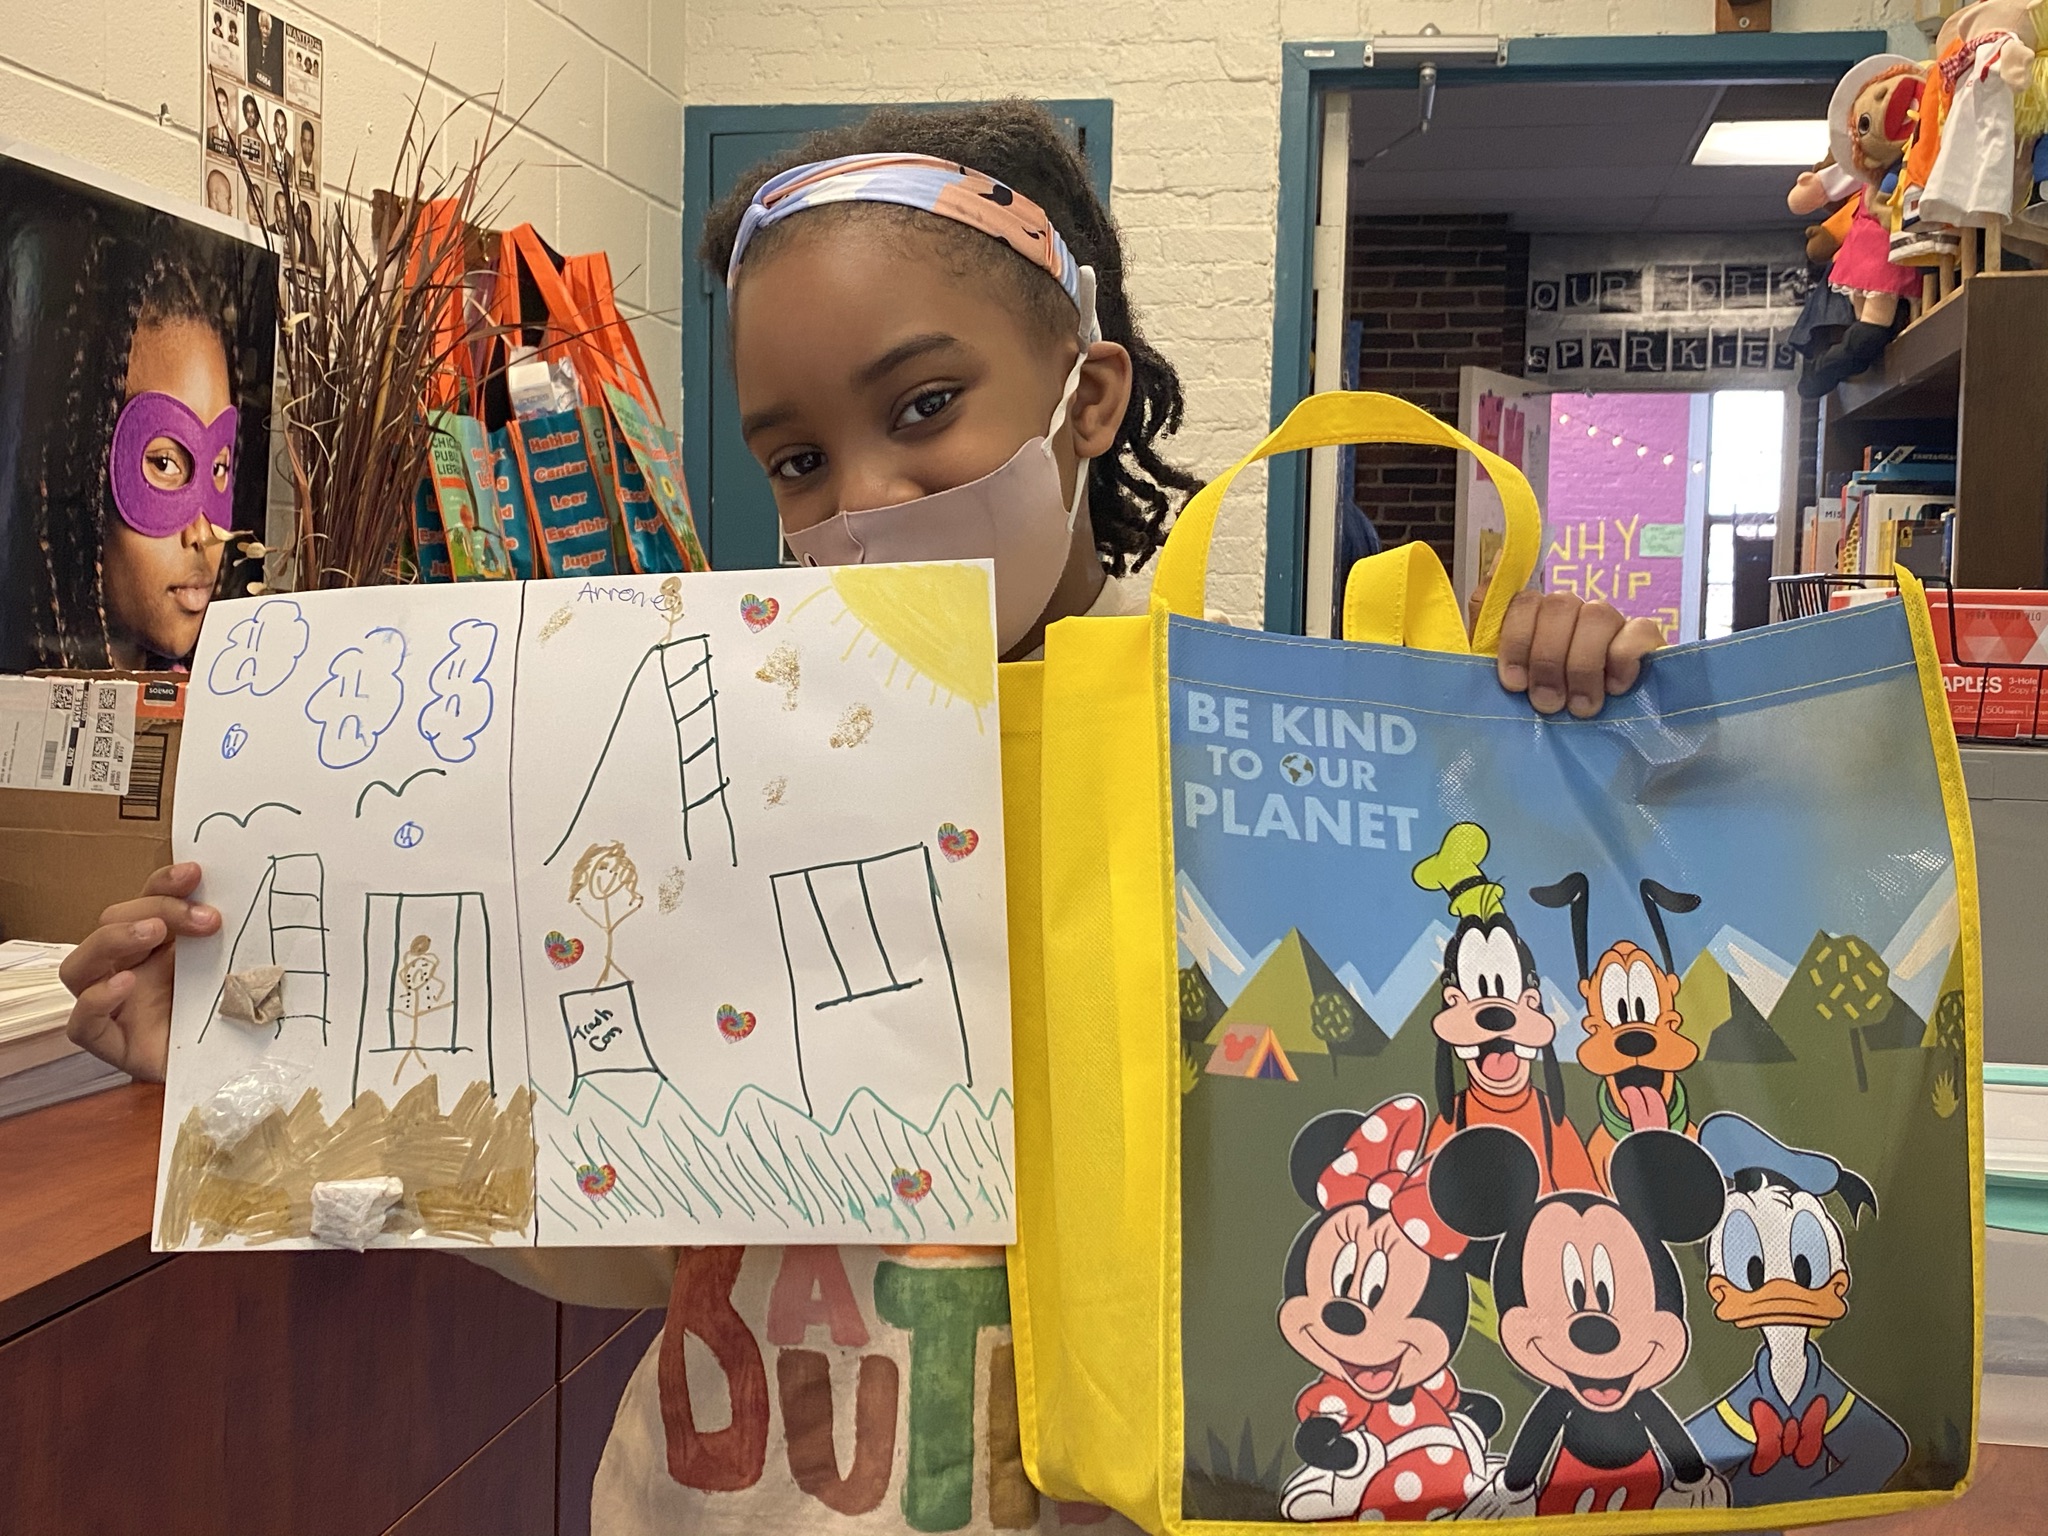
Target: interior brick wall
{"points": [[1434, 293]]}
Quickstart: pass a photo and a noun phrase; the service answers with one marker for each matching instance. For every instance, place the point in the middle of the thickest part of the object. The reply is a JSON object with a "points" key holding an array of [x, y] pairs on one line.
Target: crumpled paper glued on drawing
{"points": [[253, 996]]}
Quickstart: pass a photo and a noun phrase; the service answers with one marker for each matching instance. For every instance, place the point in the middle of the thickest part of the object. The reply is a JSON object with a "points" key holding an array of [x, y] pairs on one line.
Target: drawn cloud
{"points": [[361, 697], [262, 651], [462, 705]]}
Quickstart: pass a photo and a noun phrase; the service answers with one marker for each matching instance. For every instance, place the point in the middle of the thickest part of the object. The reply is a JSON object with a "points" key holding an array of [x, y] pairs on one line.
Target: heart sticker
{"points": [[563, 951], [733, 1024], [911, 1186], [596, 1179], [956, 843], [758, 612]]}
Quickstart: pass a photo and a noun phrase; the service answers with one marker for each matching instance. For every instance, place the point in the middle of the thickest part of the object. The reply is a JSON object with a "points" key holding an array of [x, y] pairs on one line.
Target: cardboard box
{"points": [[1992, 668], [65, 857]]}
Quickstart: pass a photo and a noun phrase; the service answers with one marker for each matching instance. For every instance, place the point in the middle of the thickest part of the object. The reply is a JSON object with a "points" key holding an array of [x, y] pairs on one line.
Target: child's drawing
{"points": [[809, 1043], [286, 927], [427, 994]]}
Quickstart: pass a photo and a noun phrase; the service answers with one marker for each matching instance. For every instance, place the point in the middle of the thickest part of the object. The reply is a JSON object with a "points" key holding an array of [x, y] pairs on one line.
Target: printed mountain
{"points": [[1757, 970], [1413, 977], [1704, 1000], [1746, 1036], [1297, 996]]}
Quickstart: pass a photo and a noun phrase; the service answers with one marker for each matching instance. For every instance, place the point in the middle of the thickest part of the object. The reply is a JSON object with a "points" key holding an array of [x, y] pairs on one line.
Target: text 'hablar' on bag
{"points": [[1430, 1110]]}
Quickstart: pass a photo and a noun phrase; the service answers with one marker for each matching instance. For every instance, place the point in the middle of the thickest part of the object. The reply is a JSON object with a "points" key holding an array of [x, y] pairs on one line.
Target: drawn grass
{"points": [[772, 1162]]}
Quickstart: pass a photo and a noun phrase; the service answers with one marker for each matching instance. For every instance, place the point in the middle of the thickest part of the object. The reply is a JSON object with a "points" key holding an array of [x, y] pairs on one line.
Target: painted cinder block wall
{"points": [[1197, 90], [1196, 85], [598, 159]]}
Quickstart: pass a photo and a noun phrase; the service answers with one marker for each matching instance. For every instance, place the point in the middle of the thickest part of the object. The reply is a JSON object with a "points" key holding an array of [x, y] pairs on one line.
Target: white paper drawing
{"points": [[554, 959]]}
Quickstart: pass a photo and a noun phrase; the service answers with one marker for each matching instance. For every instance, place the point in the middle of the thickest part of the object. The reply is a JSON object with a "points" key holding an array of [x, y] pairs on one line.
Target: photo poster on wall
{"points": [[259, 110], [1681, 311], [661, 909], [135, 396]]}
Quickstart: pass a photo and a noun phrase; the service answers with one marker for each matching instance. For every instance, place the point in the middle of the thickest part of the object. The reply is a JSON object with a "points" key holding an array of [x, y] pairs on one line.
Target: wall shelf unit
{"points": [[1976, 365]]}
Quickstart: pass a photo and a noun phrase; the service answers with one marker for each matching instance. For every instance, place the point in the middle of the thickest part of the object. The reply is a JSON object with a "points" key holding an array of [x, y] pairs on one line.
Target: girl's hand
{"points": [[121, 974], [1566, 652]]}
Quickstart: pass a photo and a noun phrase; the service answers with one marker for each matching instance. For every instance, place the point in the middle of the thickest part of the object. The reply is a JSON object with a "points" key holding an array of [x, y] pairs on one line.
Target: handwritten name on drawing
{"points": [[942, 1310], [608, 592], [1315, 748]]}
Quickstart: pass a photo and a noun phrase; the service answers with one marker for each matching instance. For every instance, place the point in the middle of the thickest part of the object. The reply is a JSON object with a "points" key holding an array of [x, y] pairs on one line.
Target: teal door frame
{"points": [[1307, 70], [1094, 118]]}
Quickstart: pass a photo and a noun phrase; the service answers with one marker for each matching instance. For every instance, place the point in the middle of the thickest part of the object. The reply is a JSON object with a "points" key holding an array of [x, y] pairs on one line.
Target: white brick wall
{"points": [[1197, 91], [597, 165]]}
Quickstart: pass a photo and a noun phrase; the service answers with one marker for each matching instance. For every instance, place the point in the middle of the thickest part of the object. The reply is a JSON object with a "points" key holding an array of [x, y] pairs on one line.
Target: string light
{"points": [[1622, 440]]}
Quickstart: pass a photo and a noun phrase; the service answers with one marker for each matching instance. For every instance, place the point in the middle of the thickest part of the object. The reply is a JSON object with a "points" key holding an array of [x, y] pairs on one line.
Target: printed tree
{"points": [[1200, 1004], [1948, 1031], [1335, 1018]]}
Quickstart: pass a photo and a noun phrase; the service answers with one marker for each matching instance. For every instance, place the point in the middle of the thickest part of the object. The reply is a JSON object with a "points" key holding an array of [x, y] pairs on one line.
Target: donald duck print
{"points": [[1777, 1262]]}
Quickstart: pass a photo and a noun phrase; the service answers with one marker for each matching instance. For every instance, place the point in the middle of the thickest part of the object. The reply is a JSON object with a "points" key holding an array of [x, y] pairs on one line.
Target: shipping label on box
{"points": [[67, 733]]}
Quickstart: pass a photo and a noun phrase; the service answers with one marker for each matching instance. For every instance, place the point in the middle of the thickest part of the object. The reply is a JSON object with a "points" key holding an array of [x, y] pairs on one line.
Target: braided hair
{"points": [[1132, 489], [124, 280]]}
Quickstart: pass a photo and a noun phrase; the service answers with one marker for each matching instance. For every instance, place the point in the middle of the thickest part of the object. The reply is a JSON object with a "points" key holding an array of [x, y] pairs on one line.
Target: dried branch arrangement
{"points": [[373, 327]]}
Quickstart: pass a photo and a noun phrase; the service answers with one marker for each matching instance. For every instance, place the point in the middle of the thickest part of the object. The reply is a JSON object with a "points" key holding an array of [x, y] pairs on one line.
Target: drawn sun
{"points": [[931, 619]]}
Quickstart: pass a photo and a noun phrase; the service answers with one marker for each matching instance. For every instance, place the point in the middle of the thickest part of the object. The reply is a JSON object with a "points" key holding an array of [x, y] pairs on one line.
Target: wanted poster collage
{"points": [[263, 135]]}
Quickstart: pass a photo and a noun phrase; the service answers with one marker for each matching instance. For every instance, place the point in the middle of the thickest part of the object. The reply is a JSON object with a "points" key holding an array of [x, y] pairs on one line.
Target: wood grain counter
{"points": [[295, 1393]]}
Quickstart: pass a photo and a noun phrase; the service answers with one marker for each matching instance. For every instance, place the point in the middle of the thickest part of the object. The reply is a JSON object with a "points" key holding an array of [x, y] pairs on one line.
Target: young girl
{"points": [[924, 370], [130, 484]]}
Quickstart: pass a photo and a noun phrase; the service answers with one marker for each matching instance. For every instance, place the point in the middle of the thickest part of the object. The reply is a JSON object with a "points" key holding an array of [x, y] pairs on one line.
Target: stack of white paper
{"points": [[38, 1064]]}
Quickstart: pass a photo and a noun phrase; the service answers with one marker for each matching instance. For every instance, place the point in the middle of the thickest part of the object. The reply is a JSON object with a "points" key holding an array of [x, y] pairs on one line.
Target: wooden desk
{"points": [[302, 1394]]}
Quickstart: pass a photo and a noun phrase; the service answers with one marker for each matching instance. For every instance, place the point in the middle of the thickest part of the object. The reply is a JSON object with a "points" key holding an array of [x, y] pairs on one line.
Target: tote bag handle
{"points": [[1401, 597]]}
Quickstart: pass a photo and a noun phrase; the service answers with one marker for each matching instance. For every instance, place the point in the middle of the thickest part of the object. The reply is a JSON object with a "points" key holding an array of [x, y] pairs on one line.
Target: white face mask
{"points": [[1015, 516]]}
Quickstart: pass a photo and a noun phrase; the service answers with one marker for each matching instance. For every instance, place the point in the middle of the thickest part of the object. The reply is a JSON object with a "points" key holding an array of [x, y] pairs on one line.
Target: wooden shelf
{"points": [[1975, 362]]}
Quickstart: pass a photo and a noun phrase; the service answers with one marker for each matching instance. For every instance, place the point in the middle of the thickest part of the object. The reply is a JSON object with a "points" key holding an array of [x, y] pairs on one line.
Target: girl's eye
{"points": [[166, 466], [798, 465], [926, 406], [222, 468]]}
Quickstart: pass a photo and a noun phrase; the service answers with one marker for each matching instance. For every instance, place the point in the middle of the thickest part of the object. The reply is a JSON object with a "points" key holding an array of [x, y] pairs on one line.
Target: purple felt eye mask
{"points": [[158, 513]]}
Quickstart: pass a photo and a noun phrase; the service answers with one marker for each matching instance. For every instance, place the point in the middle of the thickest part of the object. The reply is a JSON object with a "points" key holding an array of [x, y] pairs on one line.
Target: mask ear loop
{"points": [[1089, 333]]}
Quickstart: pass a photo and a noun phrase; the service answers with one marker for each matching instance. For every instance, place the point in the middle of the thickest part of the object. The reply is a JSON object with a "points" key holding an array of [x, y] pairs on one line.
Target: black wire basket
{"points": [[1799, 597]]}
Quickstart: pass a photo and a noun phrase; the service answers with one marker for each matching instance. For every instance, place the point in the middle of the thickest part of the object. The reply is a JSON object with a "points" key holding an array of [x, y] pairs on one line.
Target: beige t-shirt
{"points": [[821, 1389]]}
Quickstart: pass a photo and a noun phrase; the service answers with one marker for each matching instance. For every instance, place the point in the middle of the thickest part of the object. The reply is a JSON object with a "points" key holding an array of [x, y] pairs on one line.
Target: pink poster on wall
{"points": [[1615, 521]]}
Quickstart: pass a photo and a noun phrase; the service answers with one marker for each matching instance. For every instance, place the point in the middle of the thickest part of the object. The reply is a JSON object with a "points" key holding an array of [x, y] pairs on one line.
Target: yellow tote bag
{"points": [[1426, 1110]]}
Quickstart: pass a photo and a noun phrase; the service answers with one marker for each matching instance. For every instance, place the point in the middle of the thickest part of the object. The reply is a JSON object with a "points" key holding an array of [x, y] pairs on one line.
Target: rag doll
{"points": [[1989, 66], [1870, 120]]}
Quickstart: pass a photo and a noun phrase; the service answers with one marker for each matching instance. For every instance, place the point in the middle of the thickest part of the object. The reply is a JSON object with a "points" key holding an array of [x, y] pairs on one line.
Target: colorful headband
{"points": [[917, 181], [1381, 1165], [149, 510]]}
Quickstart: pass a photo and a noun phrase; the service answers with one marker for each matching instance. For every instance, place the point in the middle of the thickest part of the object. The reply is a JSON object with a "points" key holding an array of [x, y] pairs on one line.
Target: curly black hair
{"points": [[127, 268], [1132, 490]]}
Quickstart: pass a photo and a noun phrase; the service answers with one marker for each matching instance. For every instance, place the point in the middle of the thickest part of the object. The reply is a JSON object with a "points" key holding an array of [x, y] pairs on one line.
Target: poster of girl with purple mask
{"points": [[136, 348]]}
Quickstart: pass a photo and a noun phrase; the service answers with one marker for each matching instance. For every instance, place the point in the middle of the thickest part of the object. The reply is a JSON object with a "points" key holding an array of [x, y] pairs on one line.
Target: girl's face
{"points": [[871, 372], [157, 589]]}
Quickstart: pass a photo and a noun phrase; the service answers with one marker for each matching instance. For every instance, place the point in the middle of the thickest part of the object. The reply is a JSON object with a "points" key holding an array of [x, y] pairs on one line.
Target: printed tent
{"points": [[1250, 1050]]}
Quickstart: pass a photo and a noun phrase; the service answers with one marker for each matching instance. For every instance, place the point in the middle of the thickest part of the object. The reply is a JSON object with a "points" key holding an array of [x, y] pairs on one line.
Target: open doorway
{"points": [[1665, 504], [1550, 240]]}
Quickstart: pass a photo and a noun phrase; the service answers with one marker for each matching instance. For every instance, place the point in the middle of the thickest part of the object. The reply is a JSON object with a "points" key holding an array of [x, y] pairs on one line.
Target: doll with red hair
{"points": [[1870, 120]]}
